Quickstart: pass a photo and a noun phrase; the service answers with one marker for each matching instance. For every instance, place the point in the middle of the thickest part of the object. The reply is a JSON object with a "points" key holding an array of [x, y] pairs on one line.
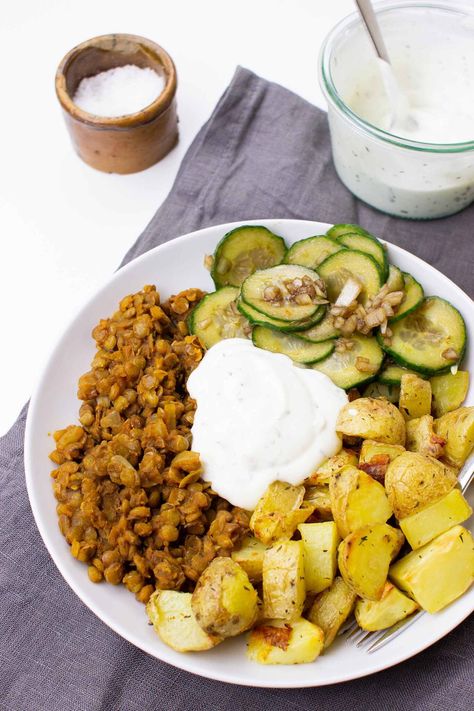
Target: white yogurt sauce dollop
{"points": [[260, 419]]}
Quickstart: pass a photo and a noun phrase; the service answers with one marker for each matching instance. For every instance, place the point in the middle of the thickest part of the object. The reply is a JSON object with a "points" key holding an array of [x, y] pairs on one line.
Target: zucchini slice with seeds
{"points": [[413, 297], [382, 390], [323, 331], [430, 339], [267, 291], [258, 319], [339, 267], [344, 368], [242, 251], [216, 317], [312, 251], [296, 348], [337, 231], [369, 245], [395, 281], [391, 374]]}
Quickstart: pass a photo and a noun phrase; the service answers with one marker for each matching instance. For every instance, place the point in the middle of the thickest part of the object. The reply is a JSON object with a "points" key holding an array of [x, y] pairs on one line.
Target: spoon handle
{"points": [[370, 20]]}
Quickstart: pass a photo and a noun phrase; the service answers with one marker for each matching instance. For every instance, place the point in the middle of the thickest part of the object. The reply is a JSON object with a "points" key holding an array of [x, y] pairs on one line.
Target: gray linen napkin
{"points": [[263, 153]]}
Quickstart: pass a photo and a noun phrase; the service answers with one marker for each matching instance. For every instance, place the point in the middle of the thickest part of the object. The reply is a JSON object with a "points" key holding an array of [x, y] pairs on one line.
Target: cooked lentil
{"points": [[131, 503]]}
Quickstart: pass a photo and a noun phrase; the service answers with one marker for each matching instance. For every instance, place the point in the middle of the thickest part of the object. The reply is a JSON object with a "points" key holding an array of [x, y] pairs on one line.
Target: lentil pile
{"points": [[131, 503]]}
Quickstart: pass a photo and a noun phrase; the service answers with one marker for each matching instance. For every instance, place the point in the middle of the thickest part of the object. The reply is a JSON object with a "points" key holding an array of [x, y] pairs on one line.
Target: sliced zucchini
{"points": [[242, 251], [312, 251], [342, 368], [391, 374], [216, 317], [296, 348], [382, 390], [267, 291], [339, 267], [369, 245], [258, 319], [337, 231], [430, 339], [412, 299], [323, 331], [395, 281]]}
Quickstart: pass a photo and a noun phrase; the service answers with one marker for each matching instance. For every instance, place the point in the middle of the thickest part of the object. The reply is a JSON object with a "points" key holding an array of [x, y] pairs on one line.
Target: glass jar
{"points": [[398, 176]]}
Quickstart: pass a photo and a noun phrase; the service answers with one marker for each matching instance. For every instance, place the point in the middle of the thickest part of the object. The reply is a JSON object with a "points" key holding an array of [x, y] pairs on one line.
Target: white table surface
{"points": [[64, 227]]}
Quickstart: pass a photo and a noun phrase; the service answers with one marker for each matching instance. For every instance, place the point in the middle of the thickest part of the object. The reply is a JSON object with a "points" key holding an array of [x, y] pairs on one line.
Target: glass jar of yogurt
{"points": [[426, 169]]}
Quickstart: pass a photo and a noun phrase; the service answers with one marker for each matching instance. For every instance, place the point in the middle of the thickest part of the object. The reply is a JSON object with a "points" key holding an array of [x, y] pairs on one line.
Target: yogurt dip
{"points": [[420, 169], [260, 419]]}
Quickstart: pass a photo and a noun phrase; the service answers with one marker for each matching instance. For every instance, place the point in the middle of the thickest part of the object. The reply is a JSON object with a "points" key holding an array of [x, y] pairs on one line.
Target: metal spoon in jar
{"points": [[401, 119]]}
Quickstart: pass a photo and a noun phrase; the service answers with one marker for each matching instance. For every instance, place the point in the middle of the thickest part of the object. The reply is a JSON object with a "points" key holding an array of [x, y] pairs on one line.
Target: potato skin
{"points": [[457, 428], [279, 511], [422, 438], [323, 473], [372, 418], [331, 609], [172, 617], [414, 481], [224, 602], [357, 500], [415, 396]]}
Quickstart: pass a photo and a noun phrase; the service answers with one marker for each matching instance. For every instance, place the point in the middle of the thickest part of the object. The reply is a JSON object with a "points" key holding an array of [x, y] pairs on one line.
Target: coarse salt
{"points": [[119, 91]]}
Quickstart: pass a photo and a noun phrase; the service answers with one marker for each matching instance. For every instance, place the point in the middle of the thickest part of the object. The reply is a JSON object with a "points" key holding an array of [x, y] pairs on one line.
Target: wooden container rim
{"points": [[145, 115]]}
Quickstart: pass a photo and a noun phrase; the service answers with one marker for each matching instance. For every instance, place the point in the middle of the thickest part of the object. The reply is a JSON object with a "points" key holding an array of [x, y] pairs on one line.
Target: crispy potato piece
{"points": [[284, 588], [279, 642], [320, 501], [393, 606], [357, 500], [279, 511], [422, 438], [422, 527], [320, 542], [457, 428], [449, 391], [414, 481], [364, 558], [224, 601], [323, 473], [332, 608], [375, 457], [372, 418], [415, 396], [250, 557], [439, 572], [173, 619]]}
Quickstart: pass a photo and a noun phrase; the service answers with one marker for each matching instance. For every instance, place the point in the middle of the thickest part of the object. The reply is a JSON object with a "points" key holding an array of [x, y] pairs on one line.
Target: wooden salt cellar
{"points": [[123, 144]]}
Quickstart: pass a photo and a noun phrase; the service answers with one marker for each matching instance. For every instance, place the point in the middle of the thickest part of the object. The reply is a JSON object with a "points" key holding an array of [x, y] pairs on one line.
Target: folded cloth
{"points": [[263, 153]]}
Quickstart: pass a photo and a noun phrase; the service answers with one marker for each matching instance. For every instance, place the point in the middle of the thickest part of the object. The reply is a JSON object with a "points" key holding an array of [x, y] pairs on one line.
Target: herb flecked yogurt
{"points": [[260, 419], [422, 168]]}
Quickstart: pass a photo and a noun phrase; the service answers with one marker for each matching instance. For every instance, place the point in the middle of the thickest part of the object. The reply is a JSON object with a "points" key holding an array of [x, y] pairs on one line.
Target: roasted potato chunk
{"points": [[422, 527], [323, 473], [439, 572], [320, 542], [224, 601], [250, 557], [364, 558], [393, 606], [357, 500], [317, 497], [422, 438], [332, 608], [414, 481], [371, 418], [284, 589], [449, 391], [415, 396], [279, 511], [279, 642], [457, 428], [173, 619], [375, 457]]}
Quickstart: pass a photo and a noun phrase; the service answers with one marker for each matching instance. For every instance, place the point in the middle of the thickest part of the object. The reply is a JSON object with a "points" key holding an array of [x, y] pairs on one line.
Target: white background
{"points": [[65, 227]]}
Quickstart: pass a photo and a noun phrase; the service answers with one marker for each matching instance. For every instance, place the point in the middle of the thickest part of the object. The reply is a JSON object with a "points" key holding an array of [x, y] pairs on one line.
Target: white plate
{"points": [[174, 266]]}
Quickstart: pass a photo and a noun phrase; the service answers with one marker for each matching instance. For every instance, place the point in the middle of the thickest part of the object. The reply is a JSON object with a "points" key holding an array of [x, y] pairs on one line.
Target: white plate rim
{"points": [[185, 660]]}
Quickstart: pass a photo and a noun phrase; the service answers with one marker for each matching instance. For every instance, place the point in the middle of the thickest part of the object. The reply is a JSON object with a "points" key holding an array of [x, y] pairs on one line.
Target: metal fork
{"points": [[373, 641]]}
